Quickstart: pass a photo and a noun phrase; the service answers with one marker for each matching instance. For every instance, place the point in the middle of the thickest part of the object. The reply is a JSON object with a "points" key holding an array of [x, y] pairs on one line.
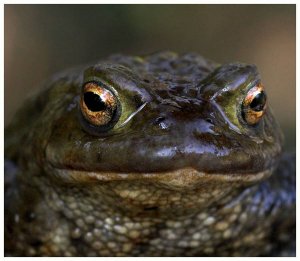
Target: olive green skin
{"points": [[180, 174]]}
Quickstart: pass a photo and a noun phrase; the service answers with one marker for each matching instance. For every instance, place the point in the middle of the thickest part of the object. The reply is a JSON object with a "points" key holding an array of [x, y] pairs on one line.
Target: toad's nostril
{"points": [[161, 122], [159, 119], [209, 120]]}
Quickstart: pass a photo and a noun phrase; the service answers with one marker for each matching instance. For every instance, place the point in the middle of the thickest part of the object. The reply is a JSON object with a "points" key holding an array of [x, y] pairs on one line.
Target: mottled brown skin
{"points": [[185, 176]]}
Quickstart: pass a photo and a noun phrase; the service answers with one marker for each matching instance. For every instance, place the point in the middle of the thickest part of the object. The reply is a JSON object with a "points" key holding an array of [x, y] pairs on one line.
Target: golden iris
{"points": [[98, 104], [254, 105]]}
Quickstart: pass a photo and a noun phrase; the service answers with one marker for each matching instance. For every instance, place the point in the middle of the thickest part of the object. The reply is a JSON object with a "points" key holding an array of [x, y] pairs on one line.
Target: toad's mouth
{"points": [[184, 177]]}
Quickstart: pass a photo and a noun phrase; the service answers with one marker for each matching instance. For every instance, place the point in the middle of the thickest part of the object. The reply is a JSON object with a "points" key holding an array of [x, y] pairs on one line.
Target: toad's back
{"points": [[161, 155]]}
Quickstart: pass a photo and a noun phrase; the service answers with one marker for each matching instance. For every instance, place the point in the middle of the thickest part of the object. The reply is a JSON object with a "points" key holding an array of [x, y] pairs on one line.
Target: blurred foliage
{"points": [[43, 39]]}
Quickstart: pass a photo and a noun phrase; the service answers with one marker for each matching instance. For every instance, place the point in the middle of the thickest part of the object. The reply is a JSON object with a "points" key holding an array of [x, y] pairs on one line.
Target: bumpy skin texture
{"points": [[185, 176]]}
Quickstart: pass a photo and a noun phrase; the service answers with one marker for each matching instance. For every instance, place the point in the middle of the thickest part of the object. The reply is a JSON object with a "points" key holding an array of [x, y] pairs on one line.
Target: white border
{"points": [[149, 2], [2, 130], [143, 2], [297, 131]]}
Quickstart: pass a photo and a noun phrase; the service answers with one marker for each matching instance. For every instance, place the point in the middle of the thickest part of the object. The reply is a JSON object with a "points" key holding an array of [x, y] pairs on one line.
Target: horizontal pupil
{"points": [[94, 102], [258, 102]]}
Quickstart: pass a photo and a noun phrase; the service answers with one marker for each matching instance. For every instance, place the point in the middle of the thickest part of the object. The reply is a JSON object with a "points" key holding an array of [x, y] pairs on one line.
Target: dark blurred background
{"points": [[43, 39]]}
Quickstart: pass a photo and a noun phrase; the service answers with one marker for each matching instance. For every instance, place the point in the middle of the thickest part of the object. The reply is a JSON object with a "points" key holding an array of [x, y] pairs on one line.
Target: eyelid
{"points": [[231, 125], [133, 114]]}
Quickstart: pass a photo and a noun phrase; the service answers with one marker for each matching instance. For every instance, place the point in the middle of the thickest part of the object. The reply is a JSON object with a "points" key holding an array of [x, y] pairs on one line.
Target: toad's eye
{"points": [[99, 106], [254, 105]]}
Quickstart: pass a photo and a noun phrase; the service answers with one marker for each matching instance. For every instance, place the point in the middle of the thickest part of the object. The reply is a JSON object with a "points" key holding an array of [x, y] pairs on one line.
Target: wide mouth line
{"points": [[182, 174]]}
